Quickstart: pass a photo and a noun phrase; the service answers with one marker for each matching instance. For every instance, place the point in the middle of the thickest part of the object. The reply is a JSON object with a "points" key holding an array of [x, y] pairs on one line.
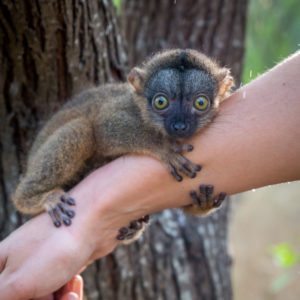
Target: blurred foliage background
{"points": [[273, 32]]}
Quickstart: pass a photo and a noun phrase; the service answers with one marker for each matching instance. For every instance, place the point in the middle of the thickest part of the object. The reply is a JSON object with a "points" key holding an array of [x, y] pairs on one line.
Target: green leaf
{"points": [[284, 255], [117, 4]]}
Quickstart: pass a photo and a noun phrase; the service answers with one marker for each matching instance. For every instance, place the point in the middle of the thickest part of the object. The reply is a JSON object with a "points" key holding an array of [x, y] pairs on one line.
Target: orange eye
{"points": [[201, 103]]}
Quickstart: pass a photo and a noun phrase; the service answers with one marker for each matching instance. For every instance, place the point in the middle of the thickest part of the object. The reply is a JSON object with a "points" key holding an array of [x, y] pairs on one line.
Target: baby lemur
{"points": [[168, 98]]}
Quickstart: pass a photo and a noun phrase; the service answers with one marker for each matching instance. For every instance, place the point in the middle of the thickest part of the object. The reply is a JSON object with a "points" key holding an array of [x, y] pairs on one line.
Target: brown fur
{"points": [[99, 125]]}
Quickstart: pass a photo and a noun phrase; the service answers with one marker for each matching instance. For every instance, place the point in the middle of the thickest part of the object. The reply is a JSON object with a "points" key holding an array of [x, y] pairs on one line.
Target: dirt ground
{"points": [[261, 219]]}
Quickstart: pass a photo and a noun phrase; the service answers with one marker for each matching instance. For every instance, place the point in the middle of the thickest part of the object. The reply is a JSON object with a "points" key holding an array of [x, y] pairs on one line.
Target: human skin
{"points": [[73, 290], [254, 141]]}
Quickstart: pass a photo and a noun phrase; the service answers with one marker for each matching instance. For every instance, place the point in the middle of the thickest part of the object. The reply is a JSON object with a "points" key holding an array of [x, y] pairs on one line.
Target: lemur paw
{"points": [[132, 232], [180, 165], [204, 201], [57, 206]]}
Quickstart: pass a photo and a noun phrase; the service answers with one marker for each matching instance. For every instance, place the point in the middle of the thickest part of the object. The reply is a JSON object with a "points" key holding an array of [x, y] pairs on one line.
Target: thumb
{"points": [[71, 296], [73, 290]]}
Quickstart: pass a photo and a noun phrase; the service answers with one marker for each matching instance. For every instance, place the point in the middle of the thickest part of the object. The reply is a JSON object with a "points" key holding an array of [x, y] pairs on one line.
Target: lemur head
{"points": [[180, 90]]}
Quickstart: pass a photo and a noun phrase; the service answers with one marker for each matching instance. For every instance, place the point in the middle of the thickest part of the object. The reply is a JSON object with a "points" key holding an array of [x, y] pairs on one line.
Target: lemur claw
{"points": [[181, 165], [205, 200], [60, 213], [67, 199], [179, 148], [133, 230]]}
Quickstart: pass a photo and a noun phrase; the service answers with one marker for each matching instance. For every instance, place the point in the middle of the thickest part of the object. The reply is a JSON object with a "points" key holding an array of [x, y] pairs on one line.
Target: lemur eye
{"points": [[201, 103], [160, 102]]}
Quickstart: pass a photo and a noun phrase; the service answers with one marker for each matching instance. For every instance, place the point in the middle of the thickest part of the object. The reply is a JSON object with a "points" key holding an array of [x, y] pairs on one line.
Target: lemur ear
{"points": [[136, 79], [226, 83]]}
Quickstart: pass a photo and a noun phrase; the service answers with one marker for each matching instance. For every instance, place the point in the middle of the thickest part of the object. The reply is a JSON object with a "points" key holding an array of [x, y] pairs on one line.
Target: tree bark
{"points": [[216, 27], [52, 49], [48, 51]]}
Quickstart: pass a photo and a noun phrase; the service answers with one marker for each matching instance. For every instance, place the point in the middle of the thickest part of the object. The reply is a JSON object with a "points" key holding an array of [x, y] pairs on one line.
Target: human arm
{"points": [[255, 141]]}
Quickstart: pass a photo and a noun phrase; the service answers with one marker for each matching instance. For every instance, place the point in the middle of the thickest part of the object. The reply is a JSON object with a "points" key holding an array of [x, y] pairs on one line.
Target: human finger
{"points": [[75, 285], [71, 296], [74, 288]]}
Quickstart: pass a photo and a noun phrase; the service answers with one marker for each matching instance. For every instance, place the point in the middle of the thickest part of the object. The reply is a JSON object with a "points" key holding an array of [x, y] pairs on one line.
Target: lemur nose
{"points": [[179, 126]]}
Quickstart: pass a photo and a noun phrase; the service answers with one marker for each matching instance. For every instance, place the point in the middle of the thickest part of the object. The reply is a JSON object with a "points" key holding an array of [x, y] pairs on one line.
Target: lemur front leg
{"points": [[53, 165], [178, 164], [203, 201]]}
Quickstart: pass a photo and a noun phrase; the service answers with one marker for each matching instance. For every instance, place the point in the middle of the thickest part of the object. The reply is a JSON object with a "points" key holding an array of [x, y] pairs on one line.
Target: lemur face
{"points": [[180, 90], [181, 100]]}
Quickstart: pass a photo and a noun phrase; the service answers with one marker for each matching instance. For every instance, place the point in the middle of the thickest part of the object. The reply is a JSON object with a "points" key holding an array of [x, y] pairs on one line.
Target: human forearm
{"points": [[255, 140], [252, 143]]}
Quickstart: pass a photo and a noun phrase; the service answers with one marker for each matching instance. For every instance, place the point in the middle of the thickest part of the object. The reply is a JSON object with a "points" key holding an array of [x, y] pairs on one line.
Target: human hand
{"points": [[38, 248], [37, 265], [38, 258], [73, 290]]}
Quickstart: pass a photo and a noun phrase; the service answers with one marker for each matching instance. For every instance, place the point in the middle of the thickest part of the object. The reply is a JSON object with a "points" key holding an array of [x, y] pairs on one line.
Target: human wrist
{"points": [[91, 228], [132, 186]]}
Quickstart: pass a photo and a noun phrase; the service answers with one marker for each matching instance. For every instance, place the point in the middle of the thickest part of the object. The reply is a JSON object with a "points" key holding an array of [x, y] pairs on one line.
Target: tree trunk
{"points": [[50, 50], [216, 27]]}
